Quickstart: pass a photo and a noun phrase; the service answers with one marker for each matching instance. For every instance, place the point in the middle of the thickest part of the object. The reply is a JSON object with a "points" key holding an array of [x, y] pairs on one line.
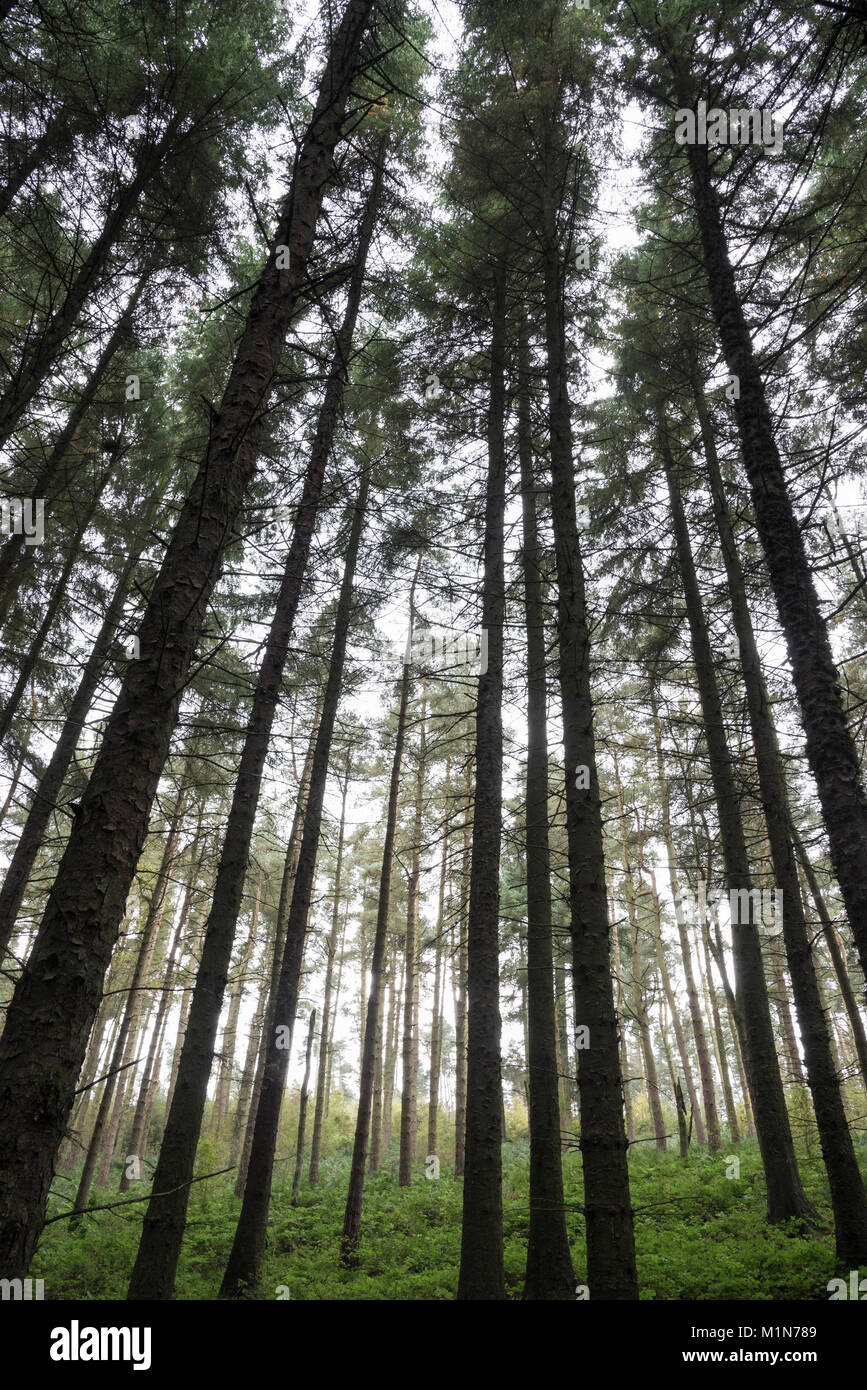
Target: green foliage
{"points": [[699, 1235]]}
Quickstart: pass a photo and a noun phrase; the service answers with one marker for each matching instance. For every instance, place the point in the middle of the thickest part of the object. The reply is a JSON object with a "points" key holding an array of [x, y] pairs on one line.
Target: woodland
{"points": [[433, 673]]}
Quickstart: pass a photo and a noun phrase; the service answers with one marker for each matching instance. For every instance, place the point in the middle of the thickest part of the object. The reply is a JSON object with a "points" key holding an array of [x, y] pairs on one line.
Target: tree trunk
{"points": [[549, 1273], [639, 1005], [32, 370], [704, 1067], [50, 1016], [671, 1002], [392, 1038], [351, 1236], [27, 662], [607, 1204], [230, 1031], [831, 749], [621, 1021], [482, 1273], [409, 1051], [302, 1112], [150, 1078], [45, 796], [324, 1038], [848, 1196], [436, 1026], [290, 868], [17, 558], [375, 1155], [248, 1249], [786, 1197], [127, 1032], [459, 983], [711, 1005], [838, 956]]}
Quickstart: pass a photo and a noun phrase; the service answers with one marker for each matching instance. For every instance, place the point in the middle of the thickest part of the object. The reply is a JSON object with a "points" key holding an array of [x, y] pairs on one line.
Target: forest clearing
{"points": [[433, 829]]}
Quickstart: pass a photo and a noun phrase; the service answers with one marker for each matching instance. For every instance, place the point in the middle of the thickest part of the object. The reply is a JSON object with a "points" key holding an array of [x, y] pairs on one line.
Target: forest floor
{"points": [[699, 1234]]}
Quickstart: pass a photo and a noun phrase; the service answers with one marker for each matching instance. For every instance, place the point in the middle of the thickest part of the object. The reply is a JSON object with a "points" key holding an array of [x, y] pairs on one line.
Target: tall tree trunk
{"points": [[698, 1030], [162, 1232], [563, 1066], [409, 1051], [50, 783], [639, 1004], [838, 957], [436, 1026], [122, 1055], [848, 1196], [55, 144], [375, 1155], [27, 662], [16, 557], [459, 982], [230, 1031], [150, 1077], [351, 1237], [786, 1197], [607, 1204], [302, 1112], [392, 1035], [713, 1013], [621, 1022], [482, 1273], [30, 373], [54, 1005], [671, 1002], [264, 1028], [549, 1273], [248, 1248], [324, 1037], [831, 750]]}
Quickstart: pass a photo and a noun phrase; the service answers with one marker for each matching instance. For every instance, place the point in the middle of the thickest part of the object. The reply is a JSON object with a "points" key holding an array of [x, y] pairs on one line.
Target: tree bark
{"points": [[351, 1237], [230, 1031], [831, 750], [549, 1273], [302, 1112], [607, 1203], [44, 801], [837, 953], [459, 982], [704, 1067], [150, 1077], [786, 1197], [324, 1037], [127, 1032], [436, 1026], [409, 1052], [639, 1005], [27, 662], [28, 377], [51, 1014], [482, 1273], [848, 1196], [245, 1259]]}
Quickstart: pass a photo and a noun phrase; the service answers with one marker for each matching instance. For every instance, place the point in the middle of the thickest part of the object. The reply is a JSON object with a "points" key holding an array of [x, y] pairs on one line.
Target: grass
{"points": [[699, 1234]]}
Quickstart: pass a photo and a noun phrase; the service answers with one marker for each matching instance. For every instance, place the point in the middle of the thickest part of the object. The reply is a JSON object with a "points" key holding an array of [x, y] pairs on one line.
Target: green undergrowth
{"points": [[699, 1234]]}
